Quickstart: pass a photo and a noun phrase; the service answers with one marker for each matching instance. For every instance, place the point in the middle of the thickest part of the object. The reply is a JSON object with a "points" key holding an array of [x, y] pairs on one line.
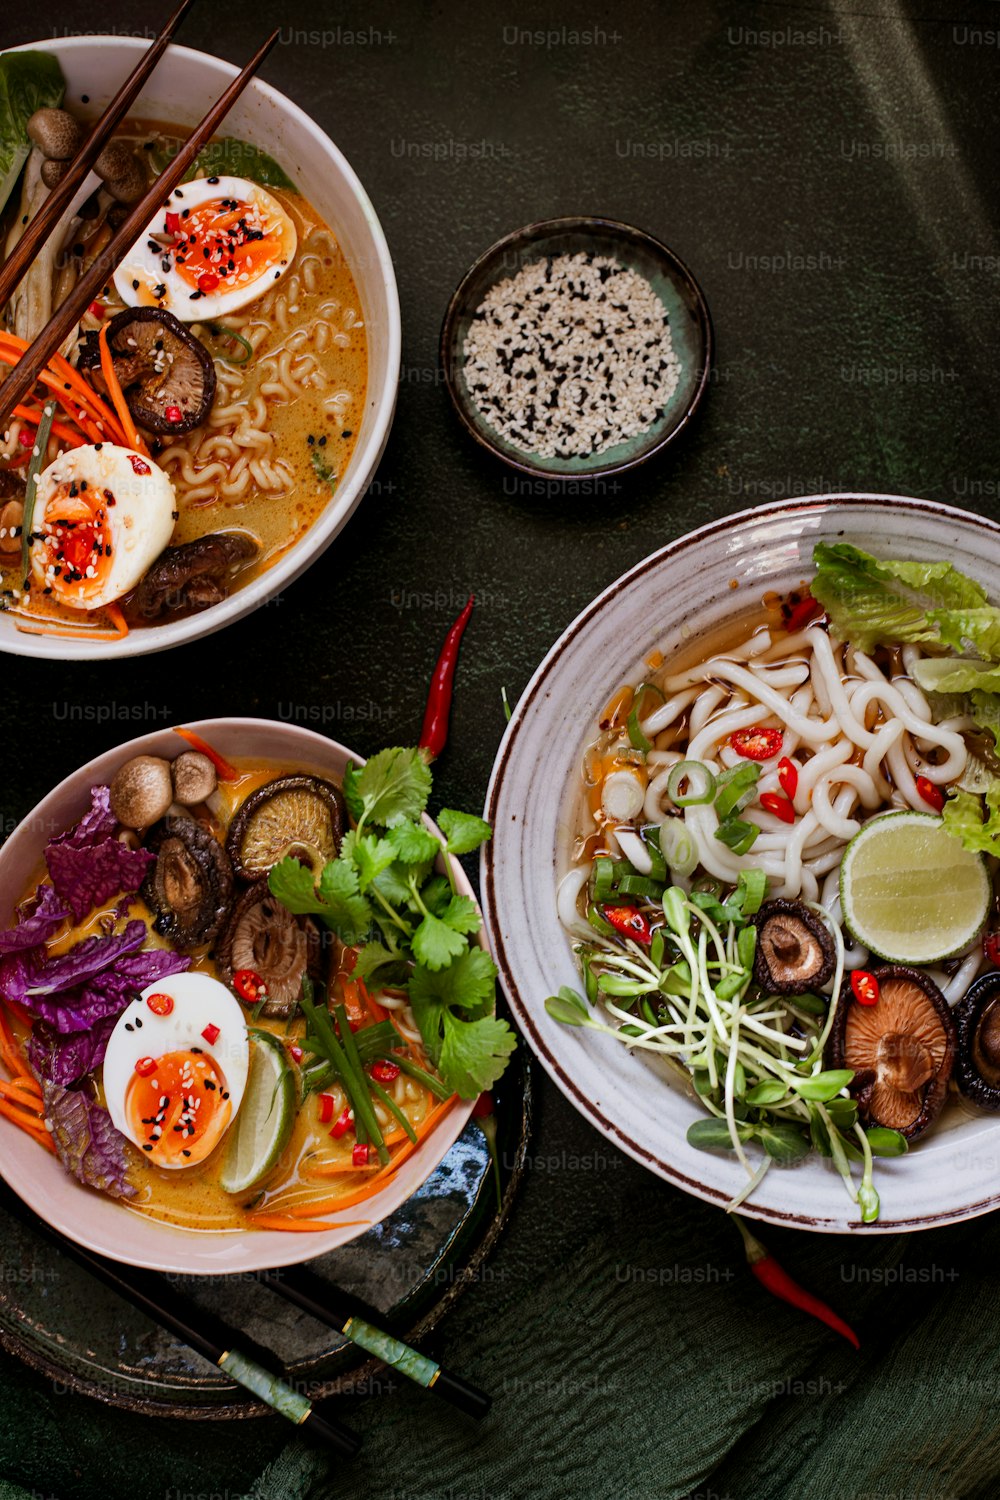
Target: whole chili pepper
{"points": [[778, 1282], [484, 1113], [434, 734]]}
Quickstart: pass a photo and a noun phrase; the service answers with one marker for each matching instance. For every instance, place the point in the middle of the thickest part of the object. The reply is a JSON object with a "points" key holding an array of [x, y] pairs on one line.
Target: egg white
{"points": [[199, 1003], [139, 524], [147, 276]]}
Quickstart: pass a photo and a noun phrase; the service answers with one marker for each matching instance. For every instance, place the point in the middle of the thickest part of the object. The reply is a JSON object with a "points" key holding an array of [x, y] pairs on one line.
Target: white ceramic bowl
{"points": [[98, 1222], [183, 86], [686, 588]]}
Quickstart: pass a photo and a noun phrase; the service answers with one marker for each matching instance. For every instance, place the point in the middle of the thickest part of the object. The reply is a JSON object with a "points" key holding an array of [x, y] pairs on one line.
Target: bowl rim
{"points": [[534, 691], [365, 458], [278, 1248], [619, 230]]}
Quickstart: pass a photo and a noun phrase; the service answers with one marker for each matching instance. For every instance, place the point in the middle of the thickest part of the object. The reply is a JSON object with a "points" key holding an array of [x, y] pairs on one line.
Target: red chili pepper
{"points": [[171, 223], [145, 1066], [207, 281], [788, 777], [865, 987], [483, 1106], [756, 743], [359, 1156], [211, 1034], [385, 1072], [991, 947], [139, 465], [629, 921], [932, 795], [160, 1005], [26, 438], [97, 309], [802, 613], [325, 1108], [173, 413], [344, 1123], [249, 986], [773, 802], [295, 1053], [434, 734], [778, 1282]]}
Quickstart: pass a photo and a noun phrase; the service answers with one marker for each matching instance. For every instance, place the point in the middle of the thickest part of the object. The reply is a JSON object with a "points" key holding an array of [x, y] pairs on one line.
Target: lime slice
{"points": [[266, 1119], [910, 892]]}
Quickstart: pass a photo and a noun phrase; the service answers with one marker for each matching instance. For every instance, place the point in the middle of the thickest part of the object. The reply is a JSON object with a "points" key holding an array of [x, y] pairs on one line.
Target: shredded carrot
{"points": [[9, 1053], [351, 996], [65, 434], [114, 613], [376, 1011], [378, 1182], [68, 633], [17, 1096], [83, 404], [225, 770], [27, 1123], [18, 1012], [282, 1221], [117, 394]]}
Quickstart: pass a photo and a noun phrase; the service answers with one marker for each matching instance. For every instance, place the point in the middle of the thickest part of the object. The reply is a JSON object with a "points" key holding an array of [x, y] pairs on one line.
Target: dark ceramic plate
{"points": [[411, 1268], [687, 311]]}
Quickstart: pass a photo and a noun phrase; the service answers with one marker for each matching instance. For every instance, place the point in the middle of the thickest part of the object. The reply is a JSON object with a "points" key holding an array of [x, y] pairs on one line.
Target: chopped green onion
{"points": [[641, 885], [35, 466], [751, 888], [636, 737], [598, 922], [679, 849], [230, 334], [736, 788], [651, 838], [701, 784], [737, 835]]}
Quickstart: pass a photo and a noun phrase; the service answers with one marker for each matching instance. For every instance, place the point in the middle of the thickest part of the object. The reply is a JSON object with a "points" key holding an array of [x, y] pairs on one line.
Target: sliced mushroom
{"points": [[977, 1020], [194, 777], [301, 816], [141, 791], [902, 1049], [190, 886], [795, 952], [194, 575], [166, 374], [263, 935]]}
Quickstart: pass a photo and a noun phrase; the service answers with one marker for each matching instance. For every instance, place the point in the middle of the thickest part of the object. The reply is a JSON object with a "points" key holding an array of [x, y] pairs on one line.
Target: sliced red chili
{"points": [[160, 1005], [788, 776], [384, 1071], [96, 309], [145, 1066], [211, 1034], [26, 437], [344, 1123], [171, 223], [865, 987], [756, 743], [802, 613], [991, 947], [629, 921], [359, 1156], [139, 465], [173, 413], [207, 281], [295, 1052], [325, 1108], [249, 986], [932, 795], [483, 1106], [774, 802]]}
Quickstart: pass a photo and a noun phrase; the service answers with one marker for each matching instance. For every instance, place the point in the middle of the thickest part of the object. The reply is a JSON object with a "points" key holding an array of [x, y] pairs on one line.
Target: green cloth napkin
{"points": [[632, 1356]]}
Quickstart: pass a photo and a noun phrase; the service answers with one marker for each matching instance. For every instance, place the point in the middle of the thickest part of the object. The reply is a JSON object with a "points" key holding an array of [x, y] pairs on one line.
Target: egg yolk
{"points": [[181, 1110], [76, 541], [227, 243]]}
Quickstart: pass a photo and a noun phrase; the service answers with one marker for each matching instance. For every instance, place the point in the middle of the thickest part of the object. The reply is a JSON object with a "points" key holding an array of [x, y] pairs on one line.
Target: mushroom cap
{"points": [[120, 171], [795, 952], [53, 172], [977, 1020], [193, 575], [56, 133], [191, 884], [161, 368], [263, 935], [141, 791], [194, 776], [902, 1049], [302, 816]]}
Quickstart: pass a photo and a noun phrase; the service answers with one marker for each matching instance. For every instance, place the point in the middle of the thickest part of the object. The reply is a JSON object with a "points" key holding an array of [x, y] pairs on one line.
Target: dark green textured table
{"points": [[828, 171]]}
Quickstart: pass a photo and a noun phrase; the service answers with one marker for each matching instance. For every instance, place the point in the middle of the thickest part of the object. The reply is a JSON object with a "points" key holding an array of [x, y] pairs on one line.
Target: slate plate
{"points": [[411, 1268]]}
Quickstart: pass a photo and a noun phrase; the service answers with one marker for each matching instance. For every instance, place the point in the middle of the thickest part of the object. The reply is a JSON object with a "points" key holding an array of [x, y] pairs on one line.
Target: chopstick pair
{"points": [[21, 380]]}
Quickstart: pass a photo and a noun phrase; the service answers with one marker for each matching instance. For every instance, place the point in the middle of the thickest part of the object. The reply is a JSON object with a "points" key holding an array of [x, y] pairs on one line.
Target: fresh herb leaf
{"points": [[337, 901], [322, 468], [230, 157], [974, 821], [369, 855], [464, 831], [435, 944], [413, 844], [474, 1053], [391, 787]]}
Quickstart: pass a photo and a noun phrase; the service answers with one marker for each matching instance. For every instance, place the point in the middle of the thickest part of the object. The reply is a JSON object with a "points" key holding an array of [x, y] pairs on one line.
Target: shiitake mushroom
{"points": [[167, 376], [302, 816], [189, 888], [795, 952], [977, 1021], [264, 936]]}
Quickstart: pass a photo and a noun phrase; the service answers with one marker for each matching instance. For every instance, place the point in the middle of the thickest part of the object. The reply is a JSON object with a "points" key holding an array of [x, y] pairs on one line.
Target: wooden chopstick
{"points": [[58, 200], [21, 380]]}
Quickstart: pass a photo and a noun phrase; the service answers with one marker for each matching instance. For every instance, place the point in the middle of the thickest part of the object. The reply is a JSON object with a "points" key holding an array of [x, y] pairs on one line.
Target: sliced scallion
{"points": [[701, 784], [35, 466], [679, 849]]}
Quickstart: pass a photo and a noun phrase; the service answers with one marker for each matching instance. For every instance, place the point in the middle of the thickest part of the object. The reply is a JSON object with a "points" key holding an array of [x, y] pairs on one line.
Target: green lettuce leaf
{"points": [[872, 602], [28, 81], [974, 821]]}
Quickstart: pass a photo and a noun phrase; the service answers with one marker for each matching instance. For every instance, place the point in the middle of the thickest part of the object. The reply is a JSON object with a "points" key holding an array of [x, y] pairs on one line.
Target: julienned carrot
{"points": [[27, 1123], [63, 433], [93, 634], [117, 394], [282, 1221], [23, 1097], [376, 1011], [9, 1053], [118, 620], [60, 377], [225, 770]]}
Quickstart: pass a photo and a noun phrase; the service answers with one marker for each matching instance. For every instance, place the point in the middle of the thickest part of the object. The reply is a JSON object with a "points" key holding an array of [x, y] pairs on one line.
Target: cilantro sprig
{"points": [[384, 895]]}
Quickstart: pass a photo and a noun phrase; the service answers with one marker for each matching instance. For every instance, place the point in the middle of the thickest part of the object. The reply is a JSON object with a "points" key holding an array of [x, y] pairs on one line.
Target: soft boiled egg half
{"points": [[102, 515], [217, 244], [176, 1068]]}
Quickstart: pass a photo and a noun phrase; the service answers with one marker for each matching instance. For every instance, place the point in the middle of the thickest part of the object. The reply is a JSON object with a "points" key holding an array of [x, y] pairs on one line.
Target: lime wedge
{"points": [[265, 1121], [910, 892]]}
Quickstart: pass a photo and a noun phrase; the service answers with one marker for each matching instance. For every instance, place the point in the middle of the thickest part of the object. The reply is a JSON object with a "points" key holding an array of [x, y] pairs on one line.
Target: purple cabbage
{"points": [[88, 865], [31, 931], [64, 1060], [106, 994], [88, 1144], [25, 977]]}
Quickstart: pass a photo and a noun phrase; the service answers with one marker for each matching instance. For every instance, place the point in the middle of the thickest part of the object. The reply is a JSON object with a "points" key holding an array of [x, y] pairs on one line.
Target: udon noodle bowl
{"points": [[214, 390]]}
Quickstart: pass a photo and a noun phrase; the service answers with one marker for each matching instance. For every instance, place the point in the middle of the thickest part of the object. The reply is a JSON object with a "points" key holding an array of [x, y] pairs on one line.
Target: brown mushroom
{"points": [[56, 133], [167, 375], [194, 777], [977, 1021], [119, 169], [902, 1049], [795, 952], [53, 172], [193, 575], [301, 816], [191, 884], [264, 936], [11, 516], [141, 791]]}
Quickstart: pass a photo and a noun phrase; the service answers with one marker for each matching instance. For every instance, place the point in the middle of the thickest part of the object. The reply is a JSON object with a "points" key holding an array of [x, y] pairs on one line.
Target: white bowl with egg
{"points": [[183, 85]]}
